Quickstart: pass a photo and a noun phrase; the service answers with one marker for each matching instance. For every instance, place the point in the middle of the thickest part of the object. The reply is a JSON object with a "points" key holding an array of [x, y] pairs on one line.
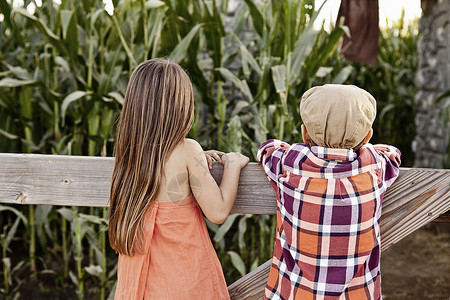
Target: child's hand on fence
{"points": [[213, 155], [234, 159]]}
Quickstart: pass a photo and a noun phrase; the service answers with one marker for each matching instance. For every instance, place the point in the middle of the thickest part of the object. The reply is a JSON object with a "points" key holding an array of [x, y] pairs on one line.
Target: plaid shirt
{"points": [[329, 206]]}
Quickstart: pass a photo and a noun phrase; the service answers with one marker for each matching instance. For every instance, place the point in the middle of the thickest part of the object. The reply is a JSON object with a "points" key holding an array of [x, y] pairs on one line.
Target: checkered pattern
{"points": [[329, 206]]}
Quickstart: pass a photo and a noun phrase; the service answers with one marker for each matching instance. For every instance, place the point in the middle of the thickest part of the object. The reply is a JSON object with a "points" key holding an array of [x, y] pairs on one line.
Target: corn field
{"points": [[63, 73]]}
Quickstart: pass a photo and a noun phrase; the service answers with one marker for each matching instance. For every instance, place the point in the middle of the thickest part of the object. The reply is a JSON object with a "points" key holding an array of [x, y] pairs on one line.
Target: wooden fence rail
{"points": [[418, 197]]}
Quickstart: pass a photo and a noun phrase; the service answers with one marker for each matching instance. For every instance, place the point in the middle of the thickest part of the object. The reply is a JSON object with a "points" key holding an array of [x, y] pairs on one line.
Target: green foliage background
{"points": [[63, 72]]}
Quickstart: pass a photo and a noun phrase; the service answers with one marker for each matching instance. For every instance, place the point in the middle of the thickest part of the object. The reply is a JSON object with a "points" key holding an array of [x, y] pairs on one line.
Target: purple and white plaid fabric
{"points": [[329, 206]]}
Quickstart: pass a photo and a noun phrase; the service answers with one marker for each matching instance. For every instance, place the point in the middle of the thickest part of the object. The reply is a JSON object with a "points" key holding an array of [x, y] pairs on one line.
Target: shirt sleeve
{"points": [[269, 157], [390, 159]]}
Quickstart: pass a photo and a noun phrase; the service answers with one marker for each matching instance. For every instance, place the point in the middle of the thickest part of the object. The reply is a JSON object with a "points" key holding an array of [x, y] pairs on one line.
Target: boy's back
{"points": [[329, 207]]}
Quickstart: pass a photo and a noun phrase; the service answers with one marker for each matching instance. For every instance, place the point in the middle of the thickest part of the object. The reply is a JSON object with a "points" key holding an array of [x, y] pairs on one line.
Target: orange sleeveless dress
{"points": [[178, 261]]}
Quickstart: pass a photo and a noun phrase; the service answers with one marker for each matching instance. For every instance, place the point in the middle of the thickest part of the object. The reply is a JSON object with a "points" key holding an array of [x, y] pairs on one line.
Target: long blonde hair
{"points": [[156, 116]]}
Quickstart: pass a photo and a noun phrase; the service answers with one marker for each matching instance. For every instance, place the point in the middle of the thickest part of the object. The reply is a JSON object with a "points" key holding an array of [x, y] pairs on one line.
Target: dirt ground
{"points": [[418, 267]]}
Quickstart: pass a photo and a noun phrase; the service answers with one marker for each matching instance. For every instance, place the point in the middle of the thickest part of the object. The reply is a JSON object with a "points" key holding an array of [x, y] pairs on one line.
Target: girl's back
{"points": [[179, 261], [160, 182], [175, 182]]}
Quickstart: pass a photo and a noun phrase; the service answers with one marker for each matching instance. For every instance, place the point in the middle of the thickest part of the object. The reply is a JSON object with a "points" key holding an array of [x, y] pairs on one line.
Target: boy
{"points": [[329, 194]]}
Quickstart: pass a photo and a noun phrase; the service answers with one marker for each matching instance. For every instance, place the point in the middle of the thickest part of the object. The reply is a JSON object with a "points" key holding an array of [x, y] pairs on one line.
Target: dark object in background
{"points": [[361, 17]]}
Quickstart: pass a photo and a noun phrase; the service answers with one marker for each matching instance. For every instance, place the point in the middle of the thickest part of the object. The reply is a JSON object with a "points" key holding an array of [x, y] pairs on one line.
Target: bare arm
{"points": [[215, 201]]}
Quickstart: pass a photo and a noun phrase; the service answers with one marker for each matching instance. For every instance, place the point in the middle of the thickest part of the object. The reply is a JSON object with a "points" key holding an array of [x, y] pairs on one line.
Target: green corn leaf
{"points": [[443, 96], [91, 233], [8, 135], [264, 82], [239, 19], [5, 9], [12, 82], [208, 7], [71, 98], [113, 273], [2, 102], [279, 78], [247, 57], [254, 265], [66, 213], [234, 135], [66, 16], [154, 28], [18, 71], [15, 211], [225, 227], [74, 278], [214, 32], [93, 124], [7, 264], [93, 219], [116, 96], [316, 14], [70, 31], [323, 71], [60, 61], [385, 110], [20, 266], [326, 49], [257, 17], [154, 4], [242, 228], [240, 107], [303, 47], [237, 262], [343, 75], [12, 232], [106, 122], [96, 15], [122, 40], [181, 49], [113, 290], [41, 214], [99, 255], [108, 80], [211, 226], [81, 227], [26, 109], [42, 27], [240, 84], [94, 270]]}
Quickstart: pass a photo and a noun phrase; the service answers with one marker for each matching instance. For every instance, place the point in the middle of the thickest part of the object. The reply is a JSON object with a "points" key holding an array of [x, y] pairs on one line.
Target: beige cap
{"points": [[337, 116]]}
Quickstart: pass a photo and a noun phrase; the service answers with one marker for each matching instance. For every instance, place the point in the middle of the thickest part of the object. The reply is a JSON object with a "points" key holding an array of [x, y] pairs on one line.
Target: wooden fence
{"points": [[418, 197]]}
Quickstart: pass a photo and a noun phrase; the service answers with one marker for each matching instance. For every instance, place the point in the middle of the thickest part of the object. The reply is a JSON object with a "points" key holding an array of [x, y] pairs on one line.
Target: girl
{"points": [[159, 184]]}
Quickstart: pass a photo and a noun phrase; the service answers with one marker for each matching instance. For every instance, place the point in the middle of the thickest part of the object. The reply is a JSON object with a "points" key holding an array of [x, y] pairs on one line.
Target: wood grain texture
{"points": [[251, 286], [416, 198], [86, 181], [255, 194], [55, 179]]}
